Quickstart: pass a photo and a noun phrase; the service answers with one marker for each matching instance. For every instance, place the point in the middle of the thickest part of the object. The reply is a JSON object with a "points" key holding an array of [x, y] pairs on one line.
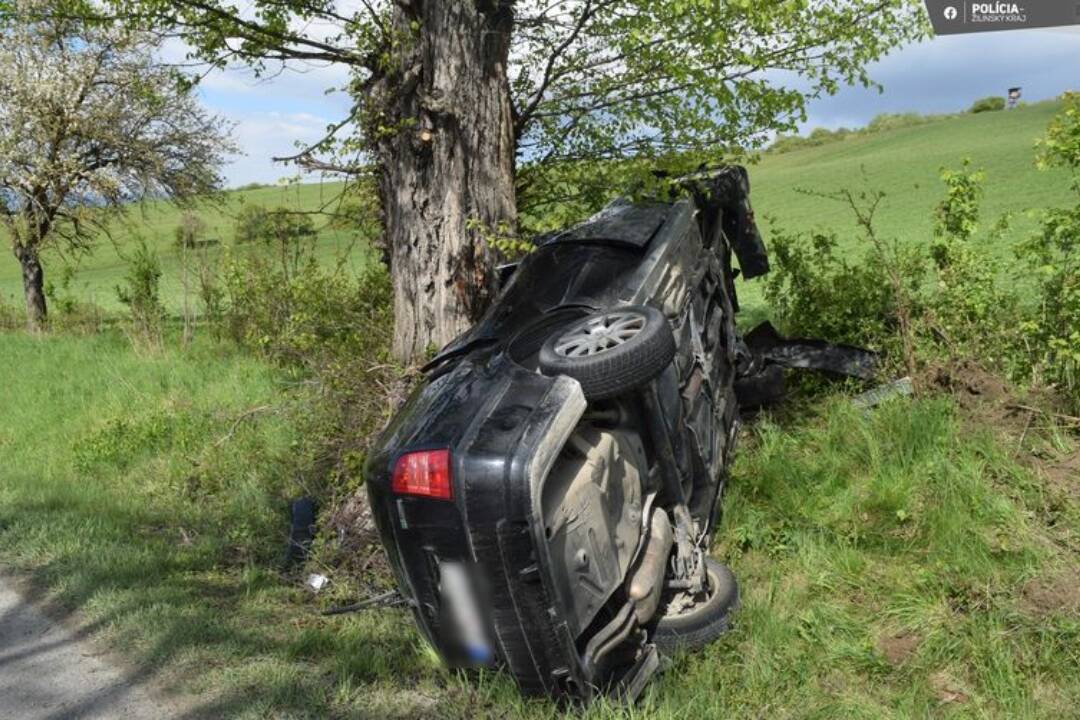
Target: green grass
{"points": [[905, 164], [133, 494], [96, 275], [885, 560]]}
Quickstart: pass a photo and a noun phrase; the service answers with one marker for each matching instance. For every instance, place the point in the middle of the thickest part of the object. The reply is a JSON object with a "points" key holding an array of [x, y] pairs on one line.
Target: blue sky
{"points": [[939, 75]]}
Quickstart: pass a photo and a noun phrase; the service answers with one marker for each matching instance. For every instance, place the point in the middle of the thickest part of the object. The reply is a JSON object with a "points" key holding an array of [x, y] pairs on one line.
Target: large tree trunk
{"points": [[446, 165], [33, 286]]}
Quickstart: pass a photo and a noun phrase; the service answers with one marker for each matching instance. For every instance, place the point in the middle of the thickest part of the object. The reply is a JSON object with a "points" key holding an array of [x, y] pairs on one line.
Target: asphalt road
{"points": [[49, 671]]}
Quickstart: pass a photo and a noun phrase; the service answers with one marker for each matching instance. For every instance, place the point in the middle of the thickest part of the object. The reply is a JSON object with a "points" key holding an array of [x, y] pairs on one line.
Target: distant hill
{"points": [[905, 164]]}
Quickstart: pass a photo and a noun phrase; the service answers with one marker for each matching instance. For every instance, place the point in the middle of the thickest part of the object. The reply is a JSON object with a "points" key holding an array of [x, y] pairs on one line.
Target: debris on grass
{"points": [[317, 581], [355, 539], [875, 396]]}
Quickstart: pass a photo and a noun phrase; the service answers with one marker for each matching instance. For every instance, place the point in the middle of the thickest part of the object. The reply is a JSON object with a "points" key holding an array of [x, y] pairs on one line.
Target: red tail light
{"points": [[425, 473]]}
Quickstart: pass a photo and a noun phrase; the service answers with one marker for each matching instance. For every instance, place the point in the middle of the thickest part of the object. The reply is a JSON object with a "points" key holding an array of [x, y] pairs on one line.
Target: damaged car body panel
{"points": [[546, 496]]}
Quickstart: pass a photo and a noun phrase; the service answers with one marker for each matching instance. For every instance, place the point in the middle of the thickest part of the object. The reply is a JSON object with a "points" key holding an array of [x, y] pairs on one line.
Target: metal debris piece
{"points": [[875, 396], [766, 342], [391, 598], [764, 352]]}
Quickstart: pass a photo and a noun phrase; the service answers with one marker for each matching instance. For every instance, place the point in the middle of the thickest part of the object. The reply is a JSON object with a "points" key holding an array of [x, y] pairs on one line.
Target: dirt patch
{"points": [[898, 647], [982, 395], [1063, 475], [1053, 594], [987, 400], [948, 689]]}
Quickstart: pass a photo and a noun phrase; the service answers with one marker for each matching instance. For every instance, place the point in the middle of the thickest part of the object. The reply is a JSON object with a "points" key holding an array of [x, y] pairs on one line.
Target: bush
{"points": [[988, 104], [821, 136], [190, 231], [817, 137], [895, 121], [967, 311], [12, 317], [141, 293], [815, 290], [327, 328], [282, 228], [1053, 254]]}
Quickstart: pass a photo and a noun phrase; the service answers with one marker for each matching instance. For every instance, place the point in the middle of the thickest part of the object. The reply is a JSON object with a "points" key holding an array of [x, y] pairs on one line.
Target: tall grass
{"points": [[882, 558]]}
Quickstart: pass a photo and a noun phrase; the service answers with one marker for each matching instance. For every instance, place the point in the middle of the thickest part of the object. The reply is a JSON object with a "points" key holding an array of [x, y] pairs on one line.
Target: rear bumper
{"points": [[517, 423]]}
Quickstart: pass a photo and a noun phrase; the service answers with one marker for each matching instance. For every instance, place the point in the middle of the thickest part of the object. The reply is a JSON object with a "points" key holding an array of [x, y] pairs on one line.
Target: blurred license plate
{"points": [[460, 600]]}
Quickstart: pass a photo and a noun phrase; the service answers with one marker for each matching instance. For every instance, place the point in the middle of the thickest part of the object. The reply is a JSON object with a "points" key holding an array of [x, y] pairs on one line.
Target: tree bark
{"points": [[445, 150], [33, 286]]}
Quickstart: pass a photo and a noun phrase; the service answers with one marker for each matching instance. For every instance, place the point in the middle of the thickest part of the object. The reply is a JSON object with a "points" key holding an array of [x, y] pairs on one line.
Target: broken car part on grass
{"points": [[547, 497]]}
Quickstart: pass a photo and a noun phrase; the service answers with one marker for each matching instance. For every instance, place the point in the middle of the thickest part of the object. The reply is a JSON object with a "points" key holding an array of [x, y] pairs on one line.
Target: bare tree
{"points": [[91, 124]]}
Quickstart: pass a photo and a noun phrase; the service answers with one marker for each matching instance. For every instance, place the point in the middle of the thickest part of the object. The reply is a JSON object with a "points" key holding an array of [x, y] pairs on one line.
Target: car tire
{"points": [[612, 352], [704, 623]]}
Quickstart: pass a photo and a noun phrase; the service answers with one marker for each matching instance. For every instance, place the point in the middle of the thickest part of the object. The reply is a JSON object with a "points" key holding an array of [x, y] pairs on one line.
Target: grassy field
{"points": [[904, 163], [918, 560], [95, 276], [908, 563]]}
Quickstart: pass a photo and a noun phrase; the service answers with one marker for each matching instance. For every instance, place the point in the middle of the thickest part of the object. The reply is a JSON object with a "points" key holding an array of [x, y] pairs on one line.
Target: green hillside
{"points": [[96, 275], [904, 163]]}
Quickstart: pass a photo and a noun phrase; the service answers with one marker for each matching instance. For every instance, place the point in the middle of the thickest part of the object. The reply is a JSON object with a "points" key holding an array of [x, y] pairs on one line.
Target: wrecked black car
{"points": [[547, 497]]}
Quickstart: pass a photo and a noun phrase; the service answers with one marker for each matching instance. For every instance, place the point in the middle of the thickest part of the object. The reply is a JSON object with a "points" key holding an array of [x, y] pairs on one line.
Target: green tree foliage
{"points": [[558, 88], [92, 122], [588, 78]]}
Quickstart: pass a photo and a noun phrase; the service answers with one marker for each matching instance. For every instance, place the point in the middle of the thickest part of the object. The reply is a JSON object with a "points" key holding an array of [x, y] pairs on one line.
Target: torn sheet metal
{"points": [[765, 343], [765, 352]]}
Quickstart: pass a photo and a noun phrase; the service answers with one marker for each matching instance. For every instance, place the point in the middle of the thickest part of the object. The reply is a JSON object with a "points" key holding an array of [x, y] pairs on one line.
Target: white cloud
{"points": [[271, 113], [264, 135]]}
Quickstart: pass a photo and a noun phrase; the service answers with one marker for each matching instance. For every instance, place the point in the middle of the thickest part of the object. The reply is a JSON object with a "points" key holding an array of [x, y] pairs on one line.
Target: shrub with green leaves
{"points": [[970, 312], [816, 289], [1053, 254], [968, 308], [992, 103], [329, 329], [141, 292], [190, 231], [257, 224]]}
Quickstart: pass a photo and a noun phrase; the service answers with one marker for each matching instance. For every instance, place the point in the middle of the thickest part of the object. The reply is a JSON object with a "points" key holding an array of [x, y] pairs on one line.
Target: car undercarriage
{"points": [[548, 496]]}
